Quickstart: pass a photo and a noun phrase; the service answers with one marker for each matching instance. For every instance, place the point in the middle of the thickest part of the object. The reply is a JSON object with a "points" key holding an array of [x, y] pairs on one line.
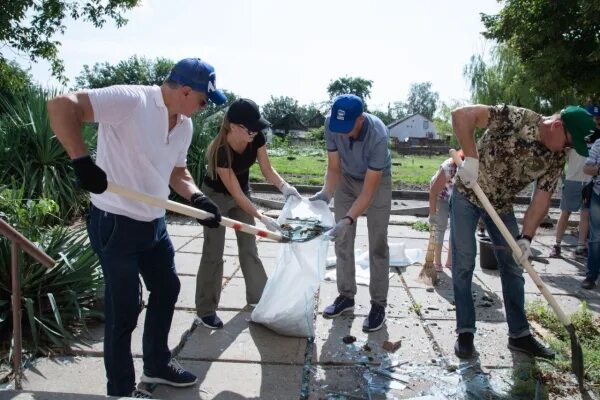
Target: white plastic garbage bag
{"points": [[400, 256], [288, 300]]}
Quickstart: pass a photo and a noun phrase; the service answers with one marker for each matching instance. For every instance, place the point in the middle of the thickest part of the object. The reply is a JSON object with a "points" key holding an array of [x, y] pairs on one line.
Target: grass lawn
{"points": [[310, 169]]}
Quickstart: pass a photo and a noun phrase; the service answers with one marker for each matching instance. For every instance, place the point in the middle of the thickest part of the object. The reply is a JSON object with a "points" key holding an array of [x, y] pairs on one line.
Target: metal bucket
{"points": [[487, 259]]}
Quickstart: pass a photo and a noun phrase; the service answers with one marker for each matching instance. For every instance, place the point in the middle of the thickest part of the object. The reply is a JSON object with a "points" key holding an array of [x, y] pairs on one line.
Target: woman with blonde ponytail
{"points": [[239, 144]]}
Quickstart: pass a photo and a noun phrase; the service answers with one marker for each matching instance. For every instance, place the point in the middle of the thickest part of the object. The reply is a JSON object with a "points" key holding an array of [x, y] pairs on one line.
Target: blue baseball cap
{"points": [[198, 75], [594, 110], [344, 112]]}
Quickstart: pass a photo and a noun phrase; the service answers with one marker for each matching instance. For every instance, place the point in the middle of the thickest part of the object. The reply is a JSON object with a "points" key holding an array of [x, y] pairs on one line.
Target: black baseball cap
{"points": [[246, 112]]}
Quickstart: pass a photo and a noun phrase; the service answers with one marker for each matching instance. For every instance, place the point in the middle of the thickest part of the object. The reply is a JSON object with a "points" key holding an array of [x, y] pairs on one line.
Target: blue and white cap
{"points": [[344, 112], [198, 75]]}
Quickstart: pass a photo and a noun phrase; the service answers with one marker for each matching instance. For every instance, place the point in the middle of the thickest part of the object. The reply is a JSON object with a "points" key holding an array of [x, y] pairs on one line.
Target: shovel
{"points": [[194, 212], [576, 352]]}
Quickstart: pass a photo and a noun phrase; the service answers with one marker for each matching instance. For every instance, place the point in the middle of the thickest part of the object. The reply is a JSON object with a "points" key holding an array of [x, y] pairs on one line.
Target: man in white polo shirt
{"points": [[359, 178], [144, 133]]}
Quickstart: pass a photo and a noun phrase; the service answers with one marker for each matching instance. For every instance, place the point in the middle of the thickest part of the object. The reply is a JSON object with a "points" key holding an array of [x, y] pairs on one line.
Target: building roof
{"points": [[289, 122], [393, 124]]}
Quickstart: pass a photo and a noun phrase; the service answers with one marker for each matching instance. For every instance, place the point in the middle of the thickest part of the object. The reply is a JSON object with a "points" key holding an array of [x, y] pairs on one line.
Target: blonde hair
{"points": [[212, 152]]}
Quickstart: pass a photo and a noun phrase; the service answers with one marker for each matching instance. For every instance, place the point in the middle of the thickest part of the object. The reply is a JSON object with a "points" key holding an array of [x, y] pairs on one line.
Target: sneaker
{"points": [[375, 320], [463, 347], [555, 253], [528, 345], [588, 284], [173, 375], [141, 394], [210, 321], [341, 305]]}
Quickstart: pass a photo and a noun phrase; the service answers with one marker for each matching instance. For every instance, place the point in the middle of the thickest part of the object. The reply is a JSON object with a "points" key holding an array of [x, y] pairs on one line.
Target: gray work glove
{"points": [[339, 230], [322, 194], [525, 246], [469, 171], [289, 190], [270, 223]]}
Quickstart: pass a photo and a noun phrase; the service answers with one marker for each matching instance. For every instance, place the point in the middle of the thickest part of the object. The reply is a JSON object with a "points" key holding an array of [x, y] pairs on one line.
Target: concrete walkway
{"points": [[247, 361]]}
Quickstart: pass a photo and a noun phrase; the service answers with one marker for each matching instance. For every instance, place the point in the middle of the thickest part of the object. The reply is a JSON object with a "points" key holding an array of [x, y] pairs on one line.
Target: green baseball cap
{"points": [[579, 123]]}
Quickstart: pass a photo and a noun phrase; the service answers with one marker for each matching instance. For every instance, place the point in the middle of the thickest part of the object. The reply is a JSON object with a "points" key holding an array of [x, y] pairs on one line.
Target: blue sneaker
{"points": [[210, 321], [375, 320], [341, 305], [172, 375]]}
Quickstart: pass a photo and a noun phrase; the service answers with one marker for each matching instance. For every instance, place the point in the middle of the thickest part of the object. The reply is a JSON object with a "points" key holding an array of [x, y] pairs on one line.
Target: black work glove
{"points": [[90, 177], [201, 202]]}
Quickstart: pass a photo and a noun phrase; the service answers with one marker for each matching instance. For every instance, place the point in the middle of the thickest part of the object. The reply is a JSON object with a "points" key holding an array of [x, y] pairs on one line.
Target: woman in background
{"points": [[439, 207]]}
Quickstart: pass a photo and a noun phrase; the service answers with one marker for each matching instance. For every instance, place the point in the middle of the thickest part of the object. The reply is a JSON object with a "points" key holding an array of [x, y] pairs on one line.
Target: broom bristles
{"points": [[428, 274]]}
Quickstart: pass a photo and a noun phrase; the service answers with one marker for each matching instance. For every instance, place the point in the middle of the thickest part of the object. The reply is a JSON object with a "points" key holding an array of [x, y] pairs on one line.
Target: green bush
{"points": [[55, 302], [32, 158]]}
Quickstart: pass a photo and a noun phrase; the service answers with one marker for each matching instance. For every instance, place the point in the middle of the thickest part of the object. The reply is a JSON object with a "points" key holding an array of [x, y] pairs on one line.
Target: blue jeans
{"points": [[463, 223], [128, 248], [593, 261]]}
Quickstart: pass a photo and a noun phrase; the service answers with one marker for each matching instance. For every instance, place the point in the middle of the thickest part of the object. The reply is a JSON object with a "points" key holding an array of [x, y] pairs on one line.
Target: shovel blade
{"points": [[576, 355]]}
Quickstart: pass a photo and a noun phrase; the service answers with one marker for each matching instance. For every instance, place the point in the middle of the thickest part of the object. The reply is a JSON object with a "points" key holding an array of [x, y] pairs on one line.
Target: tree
{"points": [[135, 70], [14, 80], [278, 107], [350, 85], [557, 42], [30, 26], [503, 80], [421, 99]]}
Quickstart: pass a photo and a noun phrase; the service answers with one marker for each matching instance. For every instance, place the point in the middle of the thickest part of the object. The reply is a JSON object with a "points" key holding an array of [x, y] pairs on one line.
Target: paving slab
{"points": [[79, 375], [233, 296], [188, 264], [269, 264], [243, 341], [331, 349], [182, 321], [491, 339], [237, 381], [398, 300], [439, 304]]}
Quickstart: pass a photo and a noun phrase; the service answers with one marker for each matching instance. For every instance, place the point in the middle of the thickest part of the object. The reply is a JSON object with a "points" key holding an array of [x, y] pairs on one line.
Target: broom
{"points": [[428, 274]]}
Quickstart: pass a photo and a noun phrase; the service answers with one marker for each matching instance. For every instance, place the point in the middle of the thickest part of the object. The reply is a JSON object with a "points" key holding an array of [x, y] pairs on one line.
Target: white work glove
{"points": [[525, 246], [433, 220], [270, 223], [322, 194], [287, 190], [339, 230], [468, 171]]}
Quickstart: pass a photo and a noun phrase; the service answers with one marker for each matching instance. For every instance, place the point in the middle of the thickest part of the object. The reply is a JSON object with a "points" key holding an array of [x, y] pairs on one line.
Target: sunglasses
{"points": [[248, 131]]}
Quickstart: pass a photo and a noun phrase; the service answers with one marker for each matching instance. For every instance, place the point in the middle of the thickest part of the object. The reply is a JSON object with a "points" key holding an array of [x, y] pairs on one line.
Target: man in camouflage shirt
{"points": [[518, 147]]}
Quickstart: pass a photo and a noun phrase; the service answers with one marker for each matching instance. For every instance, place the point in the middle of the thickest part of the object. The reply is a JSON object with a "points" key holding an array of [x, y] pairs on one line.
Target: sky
{"points": [[263, 48]]}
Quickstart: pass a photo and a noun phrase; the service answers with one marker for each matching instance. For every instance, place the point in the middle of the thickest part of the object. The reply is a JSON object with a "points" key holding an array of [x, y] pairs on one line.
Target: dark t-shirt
{"points": [[240, 163]]}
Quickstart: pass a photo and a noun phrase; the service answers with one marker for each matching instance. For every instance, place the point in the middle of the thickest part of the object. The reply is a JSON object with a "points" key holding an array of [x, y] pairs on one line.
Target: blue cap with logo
{"points": [[198, 75], [344, 112], [594, 110]]}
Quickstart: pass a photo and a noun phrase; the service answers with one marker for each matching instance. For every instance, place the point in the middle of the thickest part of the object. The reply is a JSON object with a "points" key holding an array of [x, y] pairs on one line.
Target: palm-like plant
{"points": [[56, 301], [32, 158]]}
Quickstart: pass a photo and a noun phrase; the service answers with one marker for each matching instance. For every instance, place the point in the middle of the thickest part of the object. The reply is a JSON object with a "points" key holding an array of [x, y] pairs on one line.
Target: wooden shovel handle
{"points": [[192, 212], [513, 245]]}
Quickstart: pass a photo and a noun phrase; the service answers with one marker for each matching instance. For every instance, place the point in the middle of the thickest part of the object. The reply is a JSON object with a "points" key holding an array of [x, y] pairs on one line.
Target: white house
{"points": [[415, 125]]}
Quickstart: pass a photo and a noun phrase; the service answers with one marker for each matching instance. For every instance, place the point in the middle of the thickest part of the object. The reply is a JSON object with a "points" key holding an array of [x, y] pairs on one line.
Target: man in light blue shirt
{"points": [[592, 167], [358, 176]]}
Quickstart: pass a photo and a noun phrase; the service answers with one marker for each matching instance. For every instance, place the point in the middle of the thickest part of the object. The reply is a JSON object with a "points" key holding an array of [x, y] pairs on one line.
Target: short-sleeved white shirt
{"points": [[135, 148], [575, 166]]}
